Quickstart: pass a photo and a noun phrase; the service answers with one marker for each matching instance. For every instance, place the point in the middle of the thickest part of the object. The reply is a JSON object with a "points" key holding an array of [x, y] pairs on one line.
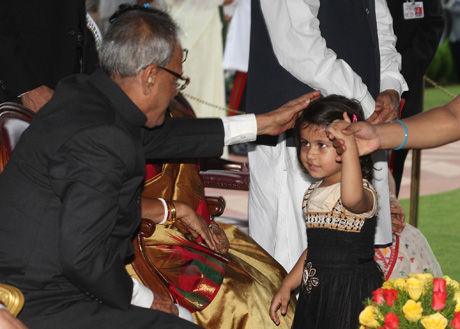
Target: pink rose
{"points": [[439, 285], [439, 300], [455, 324], [390, 296], [391, 321]]}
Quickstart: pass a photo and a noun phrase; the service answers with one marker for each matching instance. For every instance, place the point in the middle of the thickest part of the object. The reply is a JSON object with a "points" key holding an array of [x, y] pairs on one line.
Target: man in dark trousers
{"points": [[338, 47], [418, 26], [42, 42], [70, 194]]}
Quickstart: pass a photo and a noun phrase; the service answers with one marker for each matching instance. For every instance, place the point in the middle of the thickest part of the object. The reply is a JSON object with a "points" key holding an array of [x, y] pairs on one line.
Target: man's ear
{"points": [[148, 77]]}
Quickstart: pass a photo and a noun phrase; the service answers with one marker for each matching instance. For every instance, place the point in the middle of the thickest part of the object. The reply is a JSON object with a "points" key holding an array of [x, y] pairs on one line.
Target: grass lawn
{"points": [[435, 97], [439, 215], [439, 221]]}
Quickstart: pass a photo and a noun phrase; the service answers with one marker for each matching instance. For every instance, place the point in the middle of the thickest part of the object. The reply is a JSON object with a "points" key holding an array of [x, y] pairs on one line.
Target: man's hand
{"points": [[386, 107], [277, 121], [398, 215], [164, 304], [7, 321], [36, 98]]}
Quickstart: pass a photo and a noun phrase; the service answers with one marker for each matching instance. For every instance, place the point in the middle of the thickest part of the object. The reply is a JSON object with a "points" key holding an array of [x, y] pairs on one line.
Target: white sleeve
{"points": [[390, 59], [142, 296], [299, 47], [240, 129]]}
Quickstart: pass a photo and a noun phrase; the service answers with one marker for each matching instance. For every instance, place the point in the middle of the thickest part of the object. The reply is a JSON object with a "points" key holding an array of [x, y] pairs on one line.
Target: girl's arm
{"points": [[354, 197], [290, 282]]}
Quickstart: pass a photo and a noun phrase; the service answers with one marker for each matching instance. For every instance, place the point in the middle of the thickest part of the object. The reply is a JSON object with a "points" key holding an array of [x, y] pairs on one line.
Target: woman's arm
{"points": [[429, 129]]}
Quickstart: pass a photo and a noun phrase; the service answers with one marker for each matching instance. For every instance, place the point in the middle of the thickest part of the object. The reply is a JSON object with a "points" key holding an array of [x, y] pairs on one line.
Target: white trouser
{"points": [[276, 191]]}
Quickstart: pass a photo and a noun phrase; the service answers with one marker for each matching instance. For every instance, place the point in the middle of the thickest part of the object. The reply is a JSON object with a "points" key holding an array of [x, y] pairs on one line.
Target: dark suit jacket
{"points": [[39, 44], [418, 40], [70, 197]]}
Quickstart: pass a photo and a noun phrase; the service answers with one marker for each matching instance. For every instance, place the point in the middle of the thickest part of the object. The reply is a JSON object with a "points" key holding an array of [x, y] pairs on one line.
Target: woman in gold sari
{"points": [[226, 290]]}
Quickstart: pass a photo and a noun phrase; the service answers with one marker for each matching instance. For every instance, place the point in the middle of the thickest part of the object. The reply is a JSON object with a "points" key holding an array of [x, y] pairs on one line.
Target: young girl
{"points": [[337, 272]]}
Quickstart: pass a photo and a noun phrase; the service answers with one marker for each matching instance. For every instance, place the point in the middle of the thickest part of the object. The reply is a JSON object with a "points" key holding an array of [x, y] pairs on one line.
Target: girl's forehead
{"points": [[314, 131]]}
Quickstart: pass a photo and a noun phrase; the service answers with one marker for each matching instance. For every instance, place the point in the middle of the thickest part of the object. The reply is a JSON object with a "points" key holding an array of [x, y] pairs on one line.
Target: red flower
{"points": [[439, 300], [391, 321], [439, 285], [377, 296], [390, 296], [455, 324]]}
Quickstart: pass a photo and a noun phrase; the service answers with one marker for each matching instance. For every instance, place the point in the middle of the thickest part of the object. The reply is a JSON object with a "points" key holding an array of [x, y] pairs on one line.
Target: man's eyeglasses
{"points": [[185, 80]]}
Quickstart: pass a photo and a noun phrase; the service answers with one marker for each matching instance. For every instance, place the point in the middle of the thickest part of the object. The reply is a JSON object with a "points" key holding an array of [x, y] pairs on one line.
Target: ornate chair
{"points": [[12, 298]]}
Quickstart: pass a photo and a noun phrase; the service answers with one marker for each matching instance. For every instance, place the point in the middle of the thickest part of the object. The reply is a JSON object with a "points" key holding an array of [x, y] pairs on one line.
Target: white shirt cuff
{"points": [[142, 296], [240, 129], [2, 307]]}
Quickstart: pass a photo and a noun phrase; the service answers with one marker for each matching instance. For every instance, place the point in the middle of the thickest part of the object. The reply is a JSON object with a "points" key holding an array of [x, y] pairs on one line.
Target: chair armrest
{"points": [[150, 276], [225, 179], [216, 205], [12, 298], [222, 164]]}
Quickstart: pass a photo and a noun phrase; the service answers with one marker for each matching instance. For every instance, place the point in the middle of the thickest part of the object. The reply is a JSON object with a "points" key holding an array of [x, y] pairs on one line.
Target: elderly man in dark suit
{"points": [[70, 194]]}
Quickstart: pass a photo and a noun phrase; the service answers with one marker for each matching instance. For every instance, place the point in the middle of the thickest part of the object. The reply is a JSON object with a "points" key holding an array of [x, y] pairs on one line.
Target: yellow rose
{"points": [[457, 299], [434, 321], [368, 317], [451, 282], [412, 310], [388, 284], [414, 288], [400, 284]]}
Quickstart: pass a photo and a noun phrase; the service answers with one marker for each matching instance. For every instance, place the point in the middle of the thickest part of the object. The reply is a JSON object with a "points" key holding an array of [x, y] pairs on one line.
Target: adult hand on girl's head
{"points": [[279, 120], [366, 137]]}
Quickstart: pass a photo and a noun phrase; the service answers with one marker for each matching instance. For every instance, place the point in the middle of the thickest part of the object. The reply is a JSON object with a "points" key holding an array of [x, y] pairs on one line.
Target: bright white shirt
{"points": [[297, 42]]}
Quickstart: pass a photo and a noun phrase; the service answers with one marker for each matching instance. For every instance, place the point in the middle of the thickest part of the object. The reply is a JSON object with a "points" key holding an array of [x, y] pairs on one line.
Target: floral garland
{"points": [[419, 301]]}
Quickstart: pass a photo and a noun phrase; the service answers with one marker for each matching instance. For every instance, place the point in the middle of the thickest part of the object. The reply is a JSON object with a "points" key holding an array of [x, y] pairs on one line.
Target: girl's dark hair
{"points": [[325, 110]]}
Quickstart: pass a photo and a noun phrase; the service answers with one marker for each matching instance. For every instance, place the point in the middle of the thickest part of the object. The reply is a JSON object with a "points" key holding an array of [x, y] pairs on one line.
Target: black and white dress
{"points": [[340, 271]]}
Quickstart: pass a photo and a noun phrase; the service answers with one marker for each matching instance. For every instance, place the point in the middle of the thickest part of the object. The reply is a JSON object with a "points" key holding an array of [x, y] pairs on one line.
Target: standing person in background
{"points": [[418, 27], [288, 56], [201, 34], [42, 42]]}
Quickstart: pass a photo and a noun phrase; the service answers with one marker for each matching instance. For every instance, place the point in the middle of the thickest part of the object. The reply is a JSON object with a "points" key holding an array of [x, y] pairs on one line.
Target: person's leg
{"points": [[91, 314]]}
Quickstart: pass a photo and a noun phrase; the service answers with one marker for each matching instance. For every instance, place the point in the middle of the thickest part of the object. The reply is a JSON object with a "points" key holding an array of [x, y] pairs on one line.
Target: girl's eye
{"points": [[322, 146], [305, 144]]}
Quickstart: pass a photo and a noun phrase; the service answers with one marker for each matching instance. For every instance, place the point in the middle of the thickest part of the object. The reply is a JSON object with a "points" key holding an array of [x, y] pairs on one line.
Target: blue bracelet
{"points": [[405, 135]]}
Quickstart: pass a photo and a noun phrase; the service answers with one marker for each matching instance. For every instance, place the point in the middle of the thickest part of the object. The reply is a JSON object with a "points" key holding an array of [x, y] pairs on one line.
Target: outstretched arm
{"points": [[429, 129]]}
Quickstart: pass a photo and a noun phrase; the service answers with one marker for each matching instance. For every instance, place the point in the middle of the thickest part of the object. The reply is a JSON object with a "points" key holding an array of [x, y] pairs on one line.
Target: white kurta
{"points": [[201, 34]]}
